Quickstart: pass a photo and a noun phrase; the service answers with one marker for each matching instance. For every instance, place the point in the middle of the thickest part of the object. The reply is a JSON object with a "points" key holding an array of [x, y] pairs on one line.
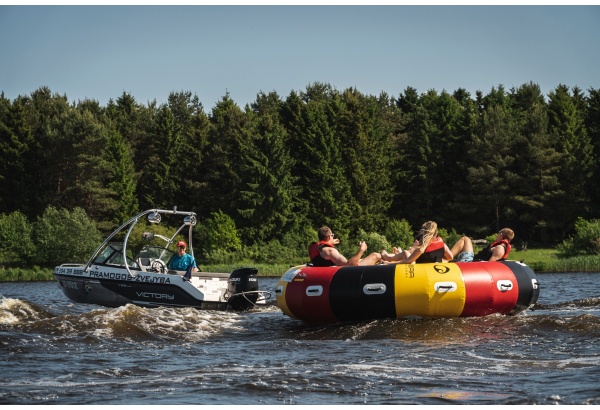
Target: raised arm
{"points": [[353, 261], [413, 256]]}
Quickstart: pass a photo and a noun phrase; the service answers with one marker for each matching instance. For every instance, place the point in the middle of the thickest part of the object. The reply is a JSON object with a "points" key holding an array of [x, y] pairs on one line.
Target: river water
{"points": [[56, 352]]}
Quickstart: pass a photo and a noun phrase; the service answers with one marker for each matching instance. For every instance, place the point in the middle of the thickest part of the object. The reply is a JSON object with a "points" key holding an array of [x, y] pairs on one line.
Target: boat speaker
{"points": [[190, 220], [154, 218]]}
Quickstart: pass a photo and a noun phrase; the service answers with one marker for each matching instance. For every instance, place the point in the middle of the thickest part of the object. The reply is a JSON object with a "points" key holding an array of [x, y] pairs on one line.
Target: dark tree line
{"points": [[278, 166]]}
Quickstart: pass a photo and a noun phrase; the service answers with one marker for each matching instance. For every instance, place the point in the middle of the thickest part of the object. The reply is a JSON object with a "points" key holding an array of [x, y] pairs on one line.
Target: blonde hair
{"points": [[427, 233]]}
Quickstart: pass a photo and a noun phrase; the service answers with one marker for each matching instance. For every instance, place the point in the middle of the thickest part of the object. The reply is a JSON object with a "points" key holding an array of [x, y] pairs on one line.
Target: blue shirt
{"points": [[183, 262]]}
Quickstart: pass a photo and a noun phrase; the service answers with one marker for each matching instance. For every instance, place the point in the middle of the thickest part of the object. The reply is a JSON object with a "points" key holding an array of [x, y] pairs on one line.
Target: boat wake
{"points": [[128, 323], [15, 311], [591, 303], [177, 326]]}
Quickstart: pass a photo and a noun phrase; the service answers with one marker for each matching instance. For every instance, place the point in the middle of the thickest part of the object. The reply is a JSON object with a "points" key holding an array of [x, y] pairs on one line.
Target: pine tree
{"points": [[122, 179], [320, 170], [592, 125], [536, 167], [267, 190], [15, 144], [489, 175], [221, 167], [566, 124], [365, 145]]}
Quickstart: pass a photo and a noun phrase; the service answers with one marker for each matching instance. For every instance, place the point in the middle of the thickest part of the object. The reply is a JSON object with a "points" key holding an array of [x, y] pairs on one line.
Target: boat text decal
{"points": [[69, 271], [150, 295], [125, 276]]}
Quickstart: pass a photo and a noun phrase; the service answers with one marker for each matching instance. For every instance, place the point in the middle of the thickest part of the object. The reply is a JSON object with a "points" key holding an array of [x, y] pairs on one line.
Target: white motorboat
{"points": [[124, 270]]}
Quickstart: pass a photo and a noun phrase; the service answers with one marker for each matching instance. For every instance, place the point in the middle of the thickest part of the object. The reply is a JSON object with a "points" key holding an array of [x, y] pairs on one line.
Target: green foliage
{"points": [[264, 269], [363, 134], [325, 195], [221, 168], [489, 175], [375, 242], [63, 236], [218, 234], [164, 229], [28, 274], [268, 190], [298, 238], [449, 237], [491, 238], [566, 125], [399, 233], [274, 251], [592, 125], [586, 240], [221, 256], [123, 181], [317, 157], [16, 246]]}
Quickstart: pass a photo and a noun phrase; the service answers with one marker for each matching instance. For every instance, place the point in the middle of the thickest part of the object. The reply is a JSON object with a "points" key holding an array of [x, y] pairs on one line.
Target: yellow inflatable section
{"points": [[429, 290]]}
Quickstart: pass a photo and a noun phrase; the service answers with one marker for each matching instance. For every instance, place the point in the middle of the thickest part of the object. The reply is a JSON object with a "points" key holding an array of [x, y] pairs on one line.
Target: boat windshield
{"points": [[155, 252], [113, 255]]}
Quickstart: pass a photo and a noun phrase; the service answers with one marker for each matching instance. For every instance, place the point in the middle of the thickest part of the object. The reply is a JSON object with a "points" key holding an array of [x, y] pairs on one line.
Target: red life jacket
{"points": [[486, 254], [507, 248], [314, 253], [434, 252]]}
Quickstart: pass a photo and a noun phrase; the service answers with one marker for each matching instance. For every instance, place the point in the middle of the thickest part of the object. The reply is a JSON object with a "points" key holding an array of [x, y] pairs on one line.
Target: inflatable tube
{"points": [[355, 293]]}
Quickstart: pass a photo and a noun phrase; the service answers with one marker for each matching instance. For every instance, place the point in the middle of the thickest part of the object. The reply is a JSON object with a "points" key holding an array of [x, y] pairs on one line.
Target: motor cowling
{"points": [[242, 288]]}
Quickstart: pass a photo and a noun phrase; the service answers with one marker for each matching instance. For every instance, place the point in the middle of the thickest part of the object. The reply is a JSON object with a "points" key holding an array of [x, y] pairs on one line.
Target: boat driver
{"points": [[182, 260]]}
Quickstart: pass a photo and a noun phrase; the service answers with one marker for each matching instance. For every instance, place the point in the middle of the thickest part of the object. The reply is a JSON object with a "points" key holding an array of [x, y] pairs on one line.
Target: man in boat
{"points": [[182, 260], [496, 251], [324, 252]]}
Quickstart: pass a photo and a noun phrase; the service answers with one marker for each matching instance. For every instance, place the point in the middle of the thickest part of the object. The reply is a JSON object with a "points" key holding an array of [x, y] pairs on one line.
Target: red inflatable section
{"points": [[489, 287], [311, 304]]}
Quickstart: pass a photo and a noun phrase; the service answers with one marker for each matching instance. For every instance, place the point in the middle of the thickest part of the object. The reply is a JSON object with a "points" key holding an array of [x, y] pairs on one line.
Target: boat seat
{"points": [[144, 261]]}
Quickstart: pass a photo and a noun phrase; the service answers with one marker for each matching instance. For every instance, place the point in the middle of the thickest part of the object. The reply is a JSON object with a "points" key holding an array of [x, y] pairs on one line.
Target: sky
{"points": [[149, 51]]}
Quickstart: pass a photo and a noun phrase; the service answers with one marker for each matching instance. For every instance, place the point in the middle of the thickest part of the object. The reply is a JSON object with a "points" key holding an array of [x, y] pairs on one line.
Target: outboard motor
{"points": [[242, 288]]}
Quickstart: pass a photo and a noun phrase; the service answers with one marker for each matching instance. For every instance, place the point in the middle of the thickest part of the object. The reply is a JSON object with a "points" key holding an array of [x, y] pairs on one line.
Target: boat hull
{"points": [[116, 287], [354, 293]]}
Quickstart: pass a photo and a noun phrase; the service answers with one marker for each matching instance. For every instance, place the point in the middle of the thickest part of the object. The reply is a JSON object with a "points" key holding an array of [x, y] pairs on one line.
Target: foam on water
{"points": [[128, 323]]}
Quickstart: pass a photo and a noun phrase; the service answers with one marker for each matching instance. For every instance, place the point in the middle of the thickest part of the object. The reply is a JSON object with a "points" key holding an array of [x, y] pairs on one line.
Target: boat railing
{"points": [[154, 216]]}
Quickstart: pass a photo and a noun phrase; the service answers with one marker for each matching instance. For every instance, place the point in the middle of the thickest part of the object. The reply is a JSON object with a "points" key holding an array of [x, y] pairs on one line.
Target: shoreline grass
{"points": [[540, 260], [548, 261]]}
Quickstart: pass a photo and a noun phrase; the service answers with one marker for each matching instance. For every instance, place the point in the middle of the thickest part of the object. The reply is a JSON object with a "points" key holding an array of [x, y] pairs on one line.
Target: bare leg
{"points": [[464, 244], [372, 259], [397, 256]]}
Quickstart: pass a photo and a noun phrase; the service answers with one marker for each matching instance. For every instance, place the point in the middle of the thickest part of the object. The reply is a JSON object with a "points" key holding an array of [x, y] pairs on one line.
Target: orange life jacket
{"points": [[314, 253], [486, 254]]}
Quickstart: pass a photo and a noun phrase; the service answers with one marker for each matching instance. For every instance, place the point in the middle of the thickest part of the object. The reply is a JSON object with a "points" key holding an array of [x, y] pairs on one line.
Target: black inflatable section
{"points": [[347, 297], [528, 294]]}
